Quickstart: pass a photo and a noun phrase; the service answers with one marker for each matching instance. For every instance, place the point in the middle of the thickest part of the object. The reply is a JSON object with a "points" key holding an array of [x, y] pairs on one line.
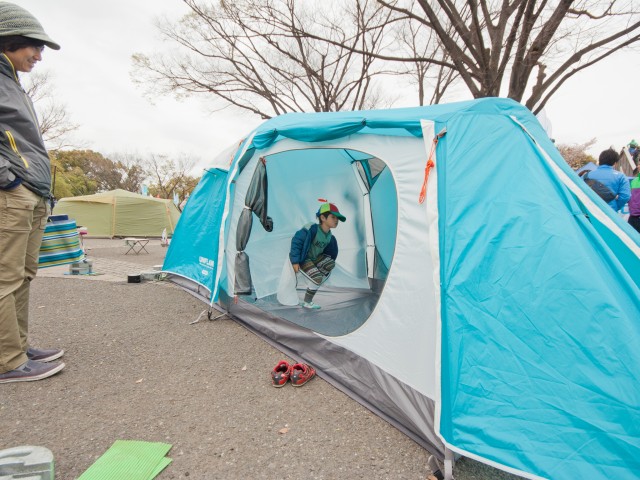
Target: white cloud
{"points": [[92, 77]]}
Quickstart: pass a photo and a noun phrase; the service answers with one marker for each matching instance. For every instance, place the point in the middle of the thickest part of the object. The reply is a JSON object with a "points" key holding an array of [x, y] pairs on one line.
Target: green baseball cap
{"points": [[330, 208]]}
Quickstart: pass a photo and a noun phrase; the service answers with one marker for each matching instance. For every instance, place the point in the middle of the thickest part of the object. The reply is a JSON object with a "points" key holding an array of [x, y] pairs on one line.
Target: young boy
{"points": [[314, 250]]}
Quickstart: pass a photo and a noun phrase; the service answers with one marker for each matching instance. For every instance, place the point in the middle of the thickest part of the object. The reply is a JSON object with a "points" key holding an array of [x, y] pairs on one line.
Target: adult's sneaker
{"points": [[30, 371], [280, 374], [44, 354], [301, 373]]}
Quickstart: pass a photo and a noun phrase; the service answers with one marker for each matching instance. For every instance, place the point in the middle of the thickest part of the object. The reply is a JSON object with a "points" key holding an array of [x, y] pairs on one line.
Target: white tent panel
{"points": [[392, 327]]}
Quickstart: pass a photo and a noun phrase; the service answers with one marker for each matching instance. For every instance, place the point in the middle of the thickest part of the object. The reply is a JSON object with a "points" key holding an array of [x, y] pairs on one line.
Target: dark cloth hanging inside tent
{"points": [[255, 202]]}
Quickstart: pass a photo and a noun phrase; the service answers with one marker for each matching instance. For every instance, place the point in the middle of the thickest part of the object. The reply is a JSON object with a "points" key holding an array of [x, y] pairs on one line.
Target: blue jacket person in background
{"points": [[616, 181]]}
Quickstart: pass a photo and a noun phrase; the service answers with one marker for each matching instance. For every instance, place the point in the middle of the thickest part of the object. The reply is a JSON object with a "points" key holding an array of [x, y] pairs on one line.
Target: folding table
{"points": [[136, 245]]}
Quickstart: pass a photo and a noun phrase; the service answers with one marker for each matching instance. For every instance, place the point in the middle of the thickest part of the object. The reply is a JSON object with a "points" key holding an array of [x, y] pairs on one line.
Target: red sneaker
{"points": [[301, 373], [280, 374]]}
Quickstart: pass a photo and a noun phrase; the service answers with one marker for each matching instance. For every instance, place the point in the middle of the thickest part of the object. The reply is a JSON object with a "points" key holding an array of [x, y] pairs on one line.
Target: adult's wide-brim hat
{"points": [[15, 20]]}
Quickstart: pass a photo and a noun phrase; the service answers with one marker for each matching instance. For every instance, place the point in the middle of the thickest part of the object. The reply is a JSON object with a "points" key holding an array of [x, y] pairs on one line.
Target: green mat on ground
{"points": [[129, 460]]}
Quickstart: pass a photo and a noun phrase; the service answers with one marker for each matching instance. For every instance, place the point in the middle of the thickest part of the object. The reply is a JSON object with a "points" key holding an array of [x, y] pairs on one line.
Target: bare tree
{"points": [[576, 154], [168, 176], [263, 57], [524, 49], [55, 123], [417, 42]]}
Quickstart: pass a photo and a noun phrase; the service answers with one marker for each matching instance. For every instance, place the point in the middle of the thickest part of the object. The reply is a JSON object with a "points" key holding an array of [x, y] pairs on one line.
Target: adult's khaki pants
{"points": [[23, 216]]}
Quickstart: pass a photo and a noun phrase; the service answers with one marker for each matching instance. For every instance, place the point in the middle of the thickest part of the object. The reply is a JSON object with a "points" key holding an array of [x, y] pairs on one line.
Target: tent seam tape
{"points": [[571, 185], [432, 193], [113, 217]]}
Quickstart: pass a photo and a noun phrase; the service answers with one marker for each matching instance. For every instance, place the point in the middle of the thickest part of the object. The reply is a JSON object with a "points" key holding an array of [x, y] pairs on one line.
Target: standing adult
{"points": [[634, 203], [25, 184], [634, 151], [614, 180]]}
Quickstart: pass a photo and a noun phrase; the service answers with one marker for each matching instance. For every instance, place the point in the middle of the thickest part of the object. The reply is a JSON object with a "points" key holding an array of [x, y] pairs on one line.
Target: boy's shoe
{"points": [[301, 373], [311, 305], [44, 354], [280, 374], [30, 371]]}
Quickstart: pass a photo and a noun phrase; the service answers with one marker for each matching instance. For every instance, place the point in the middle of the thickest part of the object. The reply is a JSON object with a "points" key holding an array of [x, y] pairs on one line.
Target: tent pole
{"points": [[449, 460], [113, 217]]}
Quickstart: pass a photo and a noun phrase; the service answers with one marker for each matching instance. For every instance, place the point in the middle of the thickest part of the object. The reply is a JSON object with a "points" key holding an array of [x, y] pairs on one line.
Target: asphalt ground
{"points": [[137, 369]]}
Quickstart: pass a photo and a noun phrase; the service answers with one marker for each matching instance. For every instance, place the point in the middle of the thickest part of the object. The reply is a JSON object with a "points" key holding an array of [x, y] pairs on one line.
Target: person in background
{"points": [[314, 250], [616, 181], [634, 151], [634, 202], [25, 184]]}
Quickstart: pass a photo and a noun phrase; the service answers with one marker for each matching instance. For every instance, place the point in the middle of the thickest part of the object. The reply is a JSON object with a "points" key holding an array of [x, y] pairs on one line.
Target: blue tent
{"points": [[485, 300], [587, 168]]}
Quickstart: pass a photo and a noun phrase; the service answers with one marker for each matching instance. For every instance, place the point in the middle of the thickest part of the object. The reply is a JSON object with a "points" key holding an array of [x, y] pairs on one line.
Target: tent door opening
{"points": [[283, 191]]}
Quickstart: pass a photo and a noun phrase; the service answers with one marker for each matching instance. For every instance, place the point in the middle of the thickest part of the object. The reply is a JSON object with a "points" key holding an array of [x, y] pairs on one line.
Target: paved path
{"points": [[137, 368], [110, 264], [105, 269]]}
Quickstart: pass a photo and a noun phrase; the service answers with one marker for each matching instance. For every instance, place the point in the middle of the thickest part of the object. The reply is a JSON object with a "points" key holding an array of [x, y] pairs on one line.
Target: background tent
{"points": [[587, 168], [498, 318], [119, 213]]}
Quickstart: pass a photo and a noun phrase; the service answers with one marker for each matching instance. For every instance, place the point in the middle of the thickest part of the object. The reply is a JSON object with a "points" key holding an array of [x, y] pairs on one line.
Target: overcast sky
{"points": [[92, 77]]}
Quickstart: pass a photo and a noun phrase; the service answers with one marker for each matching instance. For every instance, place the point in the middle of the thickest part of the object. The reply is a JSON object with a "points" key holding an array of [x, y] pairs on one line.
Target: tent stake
{"points": [[209, 313]]}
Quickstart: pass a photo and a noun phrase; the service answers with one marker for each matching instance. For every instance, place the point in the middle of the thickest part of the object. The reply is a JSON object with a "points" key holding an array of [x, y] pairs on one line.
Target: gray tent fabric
{"points": [[242, 284], [256, 198], [406, 409], [255, 202], [343, 311]]}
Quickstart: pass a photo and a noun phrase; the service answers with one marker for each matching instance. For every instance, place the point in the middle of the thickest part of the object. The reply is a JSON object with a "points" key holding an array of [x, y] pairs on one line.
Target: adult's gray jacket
{"points": [[22, 152]]}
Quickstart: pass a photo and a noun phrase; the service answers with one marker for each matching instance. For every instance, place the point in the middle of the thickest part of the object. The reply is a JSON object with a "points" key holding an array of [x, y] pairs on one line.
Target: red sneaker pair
{"points": [[299, 374]]}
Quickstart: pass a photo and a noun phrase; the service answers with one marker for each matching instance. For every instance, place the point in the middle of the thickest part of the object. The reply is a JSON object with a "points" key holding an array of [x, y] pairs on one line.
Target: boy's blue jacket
{"points": [[301, 242]]}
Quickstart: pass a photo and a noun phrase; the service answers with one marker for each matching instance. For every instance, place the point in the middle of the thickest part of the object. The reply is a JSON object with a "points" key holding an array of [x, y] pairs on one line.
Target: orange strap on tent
{"points": [[430, 165], [427, 170]]}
